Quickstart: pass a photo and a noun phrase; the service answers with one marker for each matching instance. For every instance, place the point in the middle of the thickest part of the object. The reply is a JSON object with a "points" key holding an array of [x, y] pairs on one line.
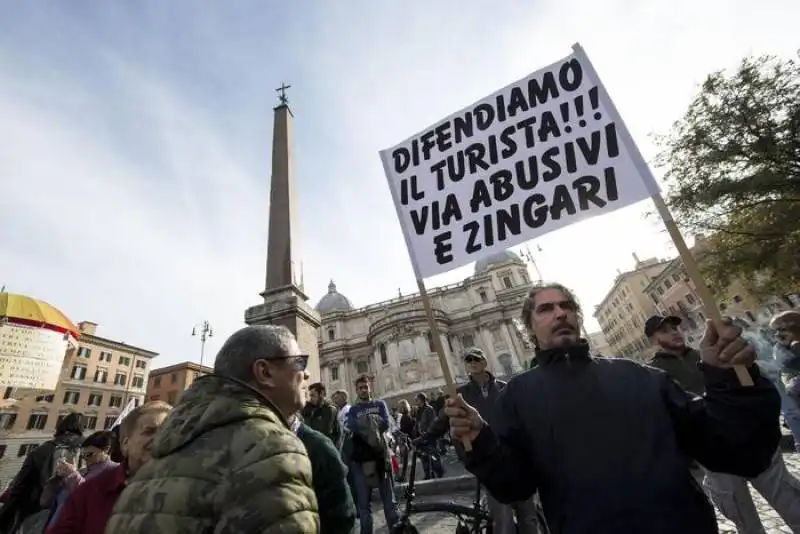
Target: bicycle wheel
{"points": [[451, 508]]}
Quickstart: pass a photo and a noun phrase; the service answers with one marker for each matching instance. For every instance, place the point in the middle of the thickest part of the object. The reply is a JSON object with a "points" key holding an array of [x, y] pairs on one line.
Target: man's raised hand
{"points": [[465, 421]]}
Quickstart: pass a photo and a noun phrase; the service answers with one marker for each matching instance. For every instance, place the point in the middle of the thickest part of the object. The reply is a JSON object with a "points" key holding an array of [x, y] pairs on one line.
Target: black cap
{"points": [[655, 322], [474, 352]]}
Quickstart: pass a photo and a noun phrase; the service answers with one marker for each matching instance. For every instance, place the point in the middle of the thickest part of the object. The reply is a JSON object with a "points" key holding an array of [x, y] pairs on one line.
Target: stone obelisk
{"points": [[284, 300]]}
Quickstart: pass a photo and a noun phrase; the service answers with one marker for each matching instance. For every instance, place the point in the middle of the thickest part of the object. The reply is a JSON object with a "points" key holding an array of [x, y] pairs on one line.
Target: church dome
{"points": [[333, 301], [486, 263]]}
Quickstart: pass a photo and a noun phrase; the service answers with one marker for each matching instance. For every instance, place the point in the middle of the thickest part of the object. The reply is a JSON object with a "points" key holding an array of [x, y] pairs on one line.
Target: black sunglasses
{"points": [[472, 359], [299, 361]]}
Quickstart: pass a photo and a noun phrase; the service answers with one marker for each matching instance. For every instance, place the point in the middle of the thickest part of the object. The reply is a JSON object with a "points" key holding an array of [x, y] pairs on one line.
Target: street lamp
{"points": [[206, 331]]}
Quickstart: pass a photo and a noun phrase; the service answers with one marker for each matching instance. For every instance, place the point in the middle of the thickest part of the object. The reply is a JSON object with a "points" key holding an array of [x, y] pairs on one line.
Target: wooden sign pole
{"points": [[689, 262], [693, 271], [436, 337]]}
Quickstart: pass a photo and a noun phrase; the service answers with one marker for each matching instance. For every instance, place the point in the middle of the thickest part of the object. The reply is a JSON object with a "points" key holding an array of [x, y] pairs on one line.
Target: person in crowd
{"points": [[24, 494], [337, 513], [429, 450], [608, 442], [729, 492], [226, 459], [96, 459], [322, 415], [369, 459], [340, 399], [407, 426], [482, 391], [786, 326], [88, 507]]}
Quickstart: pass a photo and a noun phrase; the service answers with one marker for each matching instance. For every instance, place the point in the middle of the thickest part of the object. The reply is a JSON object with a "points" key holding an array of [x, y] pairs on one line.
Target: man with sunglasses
{"points": [[482, 392], [226, 459]]}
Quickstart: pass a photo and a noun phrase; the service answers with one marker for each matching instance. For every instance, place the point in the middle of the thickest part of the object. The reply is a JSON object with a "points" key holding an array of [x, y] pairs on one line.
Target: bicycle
{"points": [[473, 519]]}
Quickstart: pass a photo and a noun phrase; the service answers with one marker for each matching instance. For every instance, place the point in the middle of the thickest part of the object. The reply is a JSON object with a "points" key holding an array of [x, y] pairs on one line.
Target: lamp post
{"points": [[205, 332]]}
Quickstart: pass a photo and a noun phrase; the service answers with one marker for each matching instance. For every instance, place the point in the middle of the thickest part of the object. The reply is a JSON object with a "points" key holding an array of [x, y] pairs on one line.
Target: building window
{"points": [[507, 282], [362, 367], [467, 341], [7, 420], [505, 362], [115, 401], [136, 402], [78, 372], [173, 377], [8, 392], [3, 450], [138, 381], [667, 284], [95, 399], [101, 376], [105, 356], [157, 382], [334, 373], [120, 379], [26, 448], [141, 364], [72, 397], [384, 357], [83, 352], [483, 296], [45, 398], [109, 422], [331, 334], [690, 299], [37, 421], [89, 422], [124, 360]]}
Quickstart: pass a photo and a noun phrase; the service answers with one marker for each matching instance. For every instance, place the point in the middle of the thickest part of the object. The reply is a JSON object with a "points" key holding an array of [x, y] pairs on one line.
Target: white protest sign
{"points": [[542, 153]]}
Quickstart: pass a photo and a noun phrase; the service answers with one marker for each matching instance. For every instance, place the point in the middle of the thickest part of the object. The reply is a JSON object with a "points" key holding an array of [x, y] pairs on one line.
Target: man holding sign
{"points": [[608, 442]]}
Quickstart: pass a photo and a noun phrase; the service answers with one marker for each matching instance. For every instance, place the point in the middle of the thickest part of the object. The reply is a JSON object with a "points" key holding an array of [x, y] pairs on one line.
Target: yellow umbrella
{"points": [[29, 311]]}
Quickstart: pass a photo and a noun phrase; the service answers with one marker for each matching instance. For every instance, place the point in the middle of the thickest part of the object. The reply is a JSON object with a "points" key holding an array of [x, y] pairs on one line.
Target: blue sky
{"points": [[135, 138]]}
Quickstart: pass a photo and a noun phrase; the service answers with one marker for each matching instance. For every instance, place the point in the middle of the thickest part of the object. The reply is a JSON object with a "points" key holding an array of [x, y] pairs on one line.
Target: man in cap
{"points": [[729, 492], [482, 392]]}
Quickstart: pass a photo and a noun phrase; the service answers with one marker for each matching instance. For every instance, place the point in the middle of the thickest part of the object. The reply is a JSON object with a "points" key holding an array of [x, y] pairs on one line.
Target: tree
{"points": [[733, 170]]}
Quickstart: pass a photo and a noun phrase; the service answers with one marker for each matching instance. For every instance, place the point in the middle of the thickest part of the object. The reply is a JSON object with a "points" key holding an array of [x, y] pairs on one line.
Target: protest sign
{"points": [[542, 153], [537, 155]]}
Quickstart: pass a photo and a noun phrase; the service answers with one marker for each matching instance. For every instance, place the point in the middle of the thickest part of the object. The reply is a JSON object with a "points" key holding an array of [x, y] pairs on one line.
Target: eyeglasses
{"points": [[298, 361]]}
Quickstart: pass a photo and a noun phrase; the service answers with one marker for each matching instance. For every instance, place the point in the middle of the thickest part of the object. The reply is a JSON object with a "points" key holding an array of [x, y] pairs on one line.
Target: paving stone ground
{"points": [[444, 524]]}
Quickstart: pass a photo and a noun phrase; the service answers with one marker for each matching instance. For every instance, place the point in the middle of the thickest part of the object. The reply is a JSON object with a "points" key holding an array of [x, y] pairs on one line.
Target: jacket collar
{"points": [[570, 354], [663, 354]]}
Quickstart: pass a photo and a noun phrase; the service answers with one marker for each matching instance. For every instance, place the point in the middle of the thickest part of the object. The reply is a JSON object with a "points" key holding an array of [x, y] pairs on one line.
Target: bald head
{"points": [[258, 342]]}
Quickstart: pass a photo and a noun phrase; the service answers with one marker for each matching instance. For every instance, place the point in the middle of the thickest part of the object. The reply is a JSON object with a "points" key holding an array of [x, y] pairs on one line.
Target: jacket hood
{"points": [[212, 401]]}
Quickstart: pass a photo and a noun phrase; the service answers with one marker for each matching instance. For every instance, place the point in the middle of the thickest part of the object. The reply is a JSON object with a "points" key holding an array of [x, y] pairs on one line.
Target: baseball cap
{"points": [[655, 322], [474, 352]]}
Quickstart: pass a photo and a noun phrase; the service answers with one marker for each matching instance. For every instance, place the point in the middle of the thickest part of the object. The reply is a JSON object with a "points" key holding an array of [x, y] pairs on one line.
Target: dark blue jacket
{"points": [[608, 443]]}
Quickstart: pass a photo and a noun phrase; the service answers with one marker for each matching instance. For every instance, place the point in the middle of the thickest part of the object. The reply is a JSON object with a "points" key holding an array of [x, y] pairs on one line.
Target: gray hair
{"points": [[257, 342], [529, 305]]}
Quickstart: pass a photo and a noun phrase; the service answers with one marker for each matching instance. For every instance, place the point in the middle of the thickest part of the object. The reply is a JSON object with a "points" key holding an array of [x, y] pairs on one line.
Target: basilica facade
{"points": [[391, 340]]}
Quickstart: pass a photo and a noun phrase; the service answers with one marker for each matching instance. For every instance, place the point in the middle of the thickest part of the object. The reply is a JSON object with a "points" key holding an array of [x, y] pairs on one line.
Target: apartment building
{"points": [[623, 311], [167, 383], [98, 378]]}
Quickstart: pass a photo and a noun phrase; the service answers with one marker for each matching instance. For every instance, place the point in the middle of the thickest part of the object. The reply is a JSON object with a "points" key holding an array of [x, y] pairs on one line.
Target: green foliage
{"points": [[733, 169]]}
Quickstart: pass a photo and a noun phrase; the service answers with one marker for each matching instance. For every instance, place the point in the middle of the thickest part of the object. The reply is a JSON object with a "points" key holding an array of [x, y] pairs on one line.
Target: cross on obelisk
{"points": [[282, 93]]}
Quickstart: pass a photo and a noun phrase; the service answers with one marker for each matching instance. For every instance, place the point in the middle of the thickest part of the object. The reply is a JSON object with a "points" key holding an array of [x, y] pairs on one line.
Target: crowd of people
{"points": [[600, 445]]}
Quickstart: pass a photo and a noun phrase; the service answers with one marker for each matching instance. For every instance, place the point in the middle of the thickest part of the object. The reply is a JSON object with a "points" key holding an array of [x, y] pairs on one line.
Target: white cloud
{"points": [[131, 207]]}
